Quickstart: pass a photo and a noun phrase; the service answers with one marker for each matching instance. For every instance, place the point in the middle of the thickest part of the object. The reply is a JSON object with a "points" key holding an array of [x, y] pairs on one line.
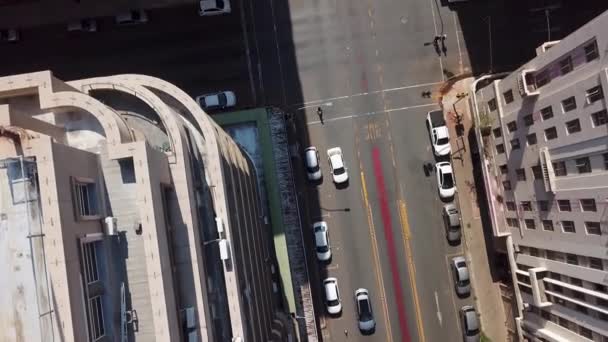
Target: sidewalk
{"points": [[487, 295]]}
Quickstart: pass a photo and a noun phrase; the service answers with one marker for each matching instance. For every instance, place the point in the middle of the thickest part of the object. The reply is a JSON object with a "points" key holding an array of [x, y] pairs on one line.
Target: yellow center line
{"points": [[377, 269], [405, 227]]}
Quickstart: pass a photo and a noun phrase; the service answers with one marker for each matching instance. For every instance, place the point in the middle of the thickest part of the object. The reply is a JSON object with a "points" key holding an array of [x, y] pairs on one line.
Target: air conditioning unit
{"points": [[110, 226], [224, 249], [219, 224]]}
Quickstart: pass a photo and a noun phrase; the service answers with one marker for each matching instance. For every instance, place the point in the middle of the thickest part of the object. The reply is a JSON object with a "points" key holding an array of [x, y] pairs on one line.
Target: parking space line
{"points": [[332, 267], [377, 269]]}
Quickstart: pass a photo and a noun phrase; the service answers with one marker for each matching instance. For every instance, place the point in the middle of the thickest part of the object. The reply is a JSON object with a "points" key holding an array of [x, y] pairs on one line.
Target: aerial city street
{"points": [[239, 170]]}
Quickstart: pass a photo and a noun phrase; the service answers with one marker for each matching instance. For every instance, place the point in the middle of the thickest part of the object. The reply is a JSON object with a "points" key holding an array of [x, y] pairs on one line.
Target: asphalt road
{"points": [[366, 64]]}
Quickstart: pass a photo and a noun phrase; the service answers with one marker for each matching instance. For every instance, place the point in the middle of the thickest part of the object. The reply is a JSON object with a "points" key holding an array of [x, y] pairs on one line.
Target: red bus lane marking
{"points": [[390, 242]]}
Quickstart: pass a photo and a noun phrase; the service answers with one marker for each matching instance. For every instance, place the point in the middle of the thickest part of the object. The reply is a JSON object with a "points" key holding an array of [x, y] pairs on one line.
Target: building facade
{"points": [[544, 133], [127, 214]]}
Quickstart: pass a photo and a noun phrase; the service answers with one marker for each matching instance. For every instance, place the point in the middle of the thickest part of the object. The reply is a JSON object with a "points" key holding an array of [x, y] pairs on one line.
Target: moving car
{"points": [[84, 25], [336, 163], [9, 35], [332, 296], [461, 276], [451, 217], [364, 309], [219, 100], [214, 7], [322, 241], [470, 324], [311, 160], [445, 180], [440, 137], [132, 17]]}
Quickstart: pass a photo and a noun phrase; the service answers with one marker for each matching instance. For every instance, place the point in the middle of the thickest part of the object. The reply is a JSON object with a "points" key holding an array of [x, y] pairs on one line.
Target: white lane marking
{"points": [[439, 317], [458, 43], [366, 93], [370, 113]]}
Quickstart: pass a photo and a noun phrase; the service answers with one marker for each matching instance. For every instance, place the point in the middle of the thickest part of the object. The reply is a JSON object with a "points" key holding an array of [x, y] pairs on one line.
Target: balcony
{"points": [[526, 83]]}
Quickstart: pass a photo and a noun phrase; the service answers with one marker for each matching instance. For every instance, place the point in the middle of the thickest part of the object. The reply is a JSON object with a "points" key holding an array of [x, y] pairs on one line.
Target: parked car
{"points": [[84, 25], [311, 160], [9, 35], [451, 218], [470, 324], [440, 136], [322, 240], [214, 7], [461, 276], [364, 309], [219, 100], [132, 17], [332, 296], [445, 180], [336, 164]]}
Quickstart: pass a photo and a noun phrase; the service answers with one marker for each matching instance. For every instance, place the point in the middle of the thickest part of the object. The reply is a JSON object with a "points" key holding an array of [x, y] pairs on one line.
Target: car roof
{"points": [[471, 320], [331, 288], [442, 132], [321, 238], [336, 161]]}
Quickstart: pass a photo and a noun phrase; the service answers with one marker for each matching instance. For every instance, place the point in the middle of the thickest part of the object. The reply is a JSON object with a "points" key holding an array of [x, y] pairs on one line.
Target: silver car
{"points": [[451, 218], [461, 276], [367, 324], [311, 160], [470, 324]]}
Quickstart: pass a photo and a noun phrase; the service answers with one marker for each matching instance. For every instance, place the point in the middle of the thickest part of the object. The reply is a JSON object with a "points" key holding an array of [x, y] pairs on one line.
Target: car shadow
{"points": [[341, 186]]}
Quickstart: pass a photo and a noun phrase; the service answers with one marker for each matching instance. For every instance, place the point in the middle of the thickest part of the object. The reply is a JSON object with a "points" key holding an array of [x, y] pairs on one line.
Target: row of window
{"points": [[569, 258], [565, 64], [567, 226], [564, 205], [565, 323]]}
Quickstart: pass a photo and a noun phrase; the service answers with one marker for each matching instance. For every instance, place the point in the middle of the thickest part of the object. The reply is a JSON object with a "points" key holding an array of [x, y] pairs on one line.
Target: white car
{"points": [[214, 7], [445, 180], [364, 309], [132, 17], [219, 100], [462, 281], [440, 137], [336, 164], [332, 296], [311, 160], [84, 25], [322, 241], [10, 35], [470, 324]]}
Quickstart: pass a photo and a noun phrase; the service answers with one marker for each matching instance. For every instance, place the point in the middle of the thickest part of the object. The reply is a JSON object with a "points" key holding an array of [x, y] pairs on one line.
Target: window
{"points": [[531, 139], [565, 65], [591, 51], [605, 155], [512, 126], [86, 199], [90, 265], [545, 315], [583, 310], [528, 120], [534, 251], [508, 96], [526, 205], [563, 322], [506, 185], [492, 105], [521, 174], [599, 118], [576, 282], [564, 205], [588, 204], [568, 227], [600, 288], [530, 224], [596, 263], [510, 205], [500, 148], [537, 172], [573, 126], [548, 225], [571, 259], [550, 133], [543, 205], [96, 324], [550, 255], [513, 222], [504, 169], [515, 144], [546, 113], [569, 104], [497, 132], [593, 228], [594, 94], [582, 330], [542, 78], [583, 165], [560, 168]]}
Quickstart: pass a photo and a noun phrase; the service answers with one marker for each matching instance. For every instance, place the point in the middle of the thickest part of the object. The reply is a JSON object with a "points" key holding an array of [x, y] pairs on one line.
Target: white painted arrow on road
{"points": [[439, 317]]}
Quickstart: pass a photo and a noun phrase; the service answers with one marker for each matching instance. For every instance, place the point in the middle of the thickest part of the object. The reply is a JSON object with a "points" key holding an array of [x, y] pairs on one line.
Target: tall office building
{"points": [[545, 163], [127, 214]]}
